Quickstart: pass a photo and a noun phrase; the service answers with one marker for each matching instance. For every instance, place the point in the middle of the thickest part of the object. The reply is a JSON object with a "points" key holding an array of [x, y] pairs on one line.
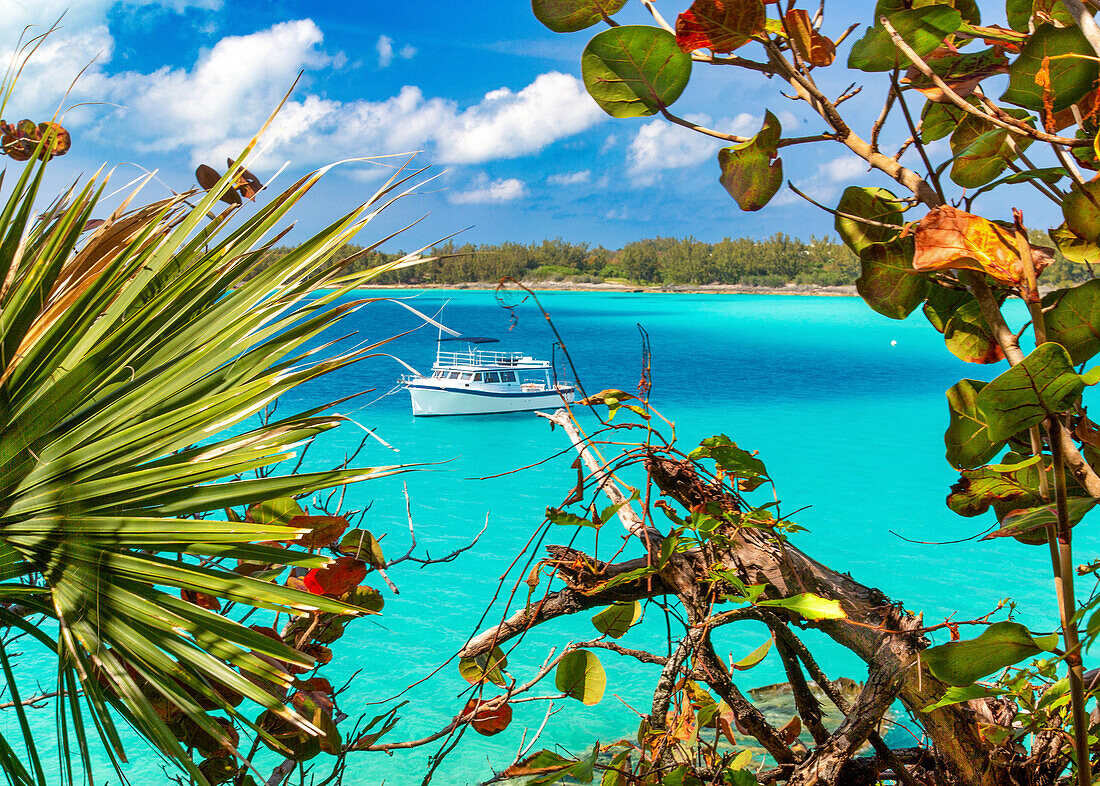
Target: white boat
{"points": [[477, 381]]}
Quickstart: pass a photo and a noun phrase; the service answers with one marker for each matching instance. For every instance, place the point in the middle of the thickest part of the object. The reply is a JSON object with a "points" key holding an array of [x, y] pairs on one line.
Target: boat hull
{"points": [[431, 401]]}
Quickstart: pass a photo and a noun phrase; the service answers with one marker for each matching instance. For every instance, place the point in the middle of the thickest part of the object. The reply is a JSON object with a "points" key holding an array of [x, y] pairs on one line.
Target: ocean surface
{"points": [[846, 408]]}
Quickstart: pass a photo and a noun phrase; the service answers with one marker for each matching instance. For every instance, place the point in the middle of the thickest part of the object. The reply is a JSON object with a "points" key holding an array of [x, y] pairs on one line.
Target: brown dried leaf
{"points": [[948, 238], [812, 46]]}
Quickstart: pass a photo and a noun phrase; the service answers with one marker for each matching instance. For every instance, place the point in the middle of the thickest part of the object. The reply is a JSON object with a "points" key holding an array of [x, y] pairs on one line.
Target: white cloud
{"points": [[843, 169], [506, 124], [660, 145], [487, 192], [570, 178], [384, 47], [211, 108], [386, 52]]}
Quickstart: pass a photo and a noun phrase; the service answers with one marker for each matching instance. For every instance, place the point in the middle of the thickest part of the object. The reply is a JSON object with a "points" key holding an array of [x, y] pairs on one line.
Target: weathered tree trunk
{"points": [[879, 631]]}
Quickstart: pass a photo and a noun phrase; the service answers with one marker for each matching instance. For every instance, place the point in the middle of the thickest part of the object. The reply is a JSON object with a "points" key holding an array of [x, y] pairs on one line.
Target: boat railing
{"points": [[478, 357]]}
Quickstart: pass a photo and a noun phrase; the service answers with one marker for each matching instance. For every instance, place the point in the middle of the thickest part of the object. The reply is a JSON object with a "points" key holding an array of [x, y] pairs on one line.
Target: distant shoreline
{"points": [[847, 290]]}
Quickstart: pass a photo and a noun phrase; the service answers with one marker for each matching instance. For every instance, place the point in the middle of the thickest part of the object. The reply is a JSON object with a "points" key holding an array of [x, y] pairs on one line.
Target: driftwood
{"points": [[887, 638]]}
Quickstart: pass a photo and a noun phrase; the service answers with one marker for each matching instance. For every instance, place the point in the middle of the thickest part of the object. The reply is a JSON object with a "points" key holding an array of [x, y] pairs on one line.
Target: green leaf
{"points": [[580, 676], [752, 171], [982, 151], [1002, 644], [888, 283], [1044, 383], [1073, 69], [969, 337], [809, 606], [957, 695], [634, 70], [1073, 319], [942, 304], [569, 16], [12, 565], [875, 204], [566, 519], [968, 443], [732, 460], [939, 120], [754, 657], [1024, 525], [362, 545], [1081, 208], [484, 667], [1048, 175], [276, 512], [1006, 487], [617, 618], [923, 29], [1073, 248]]}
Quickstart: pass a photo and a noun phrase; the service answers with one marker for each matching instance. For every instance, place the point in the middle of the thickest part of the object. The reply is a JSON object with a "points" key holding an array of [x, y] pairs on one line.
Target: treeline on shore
{"points": [[774, 262]]}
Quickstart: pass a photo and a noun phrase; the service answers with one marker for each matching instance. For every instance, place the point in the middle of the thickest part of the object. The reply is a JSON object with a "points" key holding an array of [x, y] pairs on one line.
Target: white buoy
{"points": [[894, 343]]}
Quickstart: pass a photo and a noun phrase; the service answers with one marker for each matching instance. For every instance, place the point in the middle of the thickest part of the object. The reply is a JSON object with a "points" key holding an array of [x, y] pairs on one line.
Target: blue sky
{"points": [[491, 98]]}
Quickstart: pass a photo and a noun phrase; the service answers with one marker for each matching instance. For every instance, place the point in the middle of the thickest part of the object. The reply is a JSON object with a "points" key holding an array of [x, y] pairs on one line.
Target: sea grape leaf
{"points": [[752, 171], [1028, 525], [874, 204], [939, 120], [323, 530], [887, 281], [361, 544], [949, 238], [484, 667], [957, 695], [486, 720], [942, 303], [924, 29], [961, 71], [617, 618], [634, 70], [581, 676], [1049, 175], [1081, 208], [812, 46], [809, 606], [967, 440], [541, 763], [1005, 487], [1002, 644], [732, 460], [1073, 248], [564, 518], [969, 337], [1052, 50], [275, 512], [982, 151], [720, 25], [569, 16], [365, 598], [1073, 319], [754, 657], [337, 578], [1044, 383]]}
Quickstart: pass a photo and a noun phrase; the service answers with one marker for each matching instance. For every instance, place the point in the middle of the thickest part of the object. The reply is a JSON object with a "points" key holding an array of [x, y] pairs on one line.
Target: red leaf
{"points": [[485, 719], [201, 599], [334, 580], [323, 529], [719, 25]]}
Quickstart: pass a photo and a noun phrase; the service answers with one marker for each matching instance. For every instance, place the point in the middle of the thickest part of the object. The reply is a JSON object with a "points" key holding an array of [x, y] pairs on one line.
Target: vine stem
{"points": [[1060, 543]]}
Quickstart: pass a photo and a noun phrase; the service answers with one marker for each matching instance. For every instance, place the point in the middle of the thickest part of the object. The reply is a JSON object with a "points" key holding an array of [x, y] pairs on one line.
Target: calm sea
{"points": [[846, 408]]}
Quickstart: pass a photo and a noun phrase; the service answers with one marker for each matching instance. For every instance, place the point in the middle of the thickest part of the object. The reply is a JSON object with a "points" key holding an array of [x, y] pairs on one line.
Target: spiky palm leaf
{"points": [[124, 352]]}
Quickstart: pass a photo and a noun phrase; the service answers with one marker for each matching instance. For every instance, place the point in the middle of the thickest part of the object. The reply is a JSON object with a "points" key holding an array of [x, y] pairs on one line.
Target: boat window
{"points": [[453, 375], [492, 376], [507, 376], [465, 376], [477, 377], [437, 375]]}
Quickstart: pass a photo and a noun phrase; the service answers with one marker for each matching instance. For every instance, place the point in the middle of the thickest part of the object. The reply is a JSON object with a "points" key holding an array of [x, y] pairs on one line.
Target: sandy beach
{"points": [[847, 290]]}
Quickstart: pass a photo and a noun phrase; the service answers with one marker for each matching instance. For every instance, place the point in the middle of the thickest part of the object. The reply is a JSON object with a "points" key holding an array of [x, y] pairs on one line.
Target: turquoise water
{"points": [[849, 423]]}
